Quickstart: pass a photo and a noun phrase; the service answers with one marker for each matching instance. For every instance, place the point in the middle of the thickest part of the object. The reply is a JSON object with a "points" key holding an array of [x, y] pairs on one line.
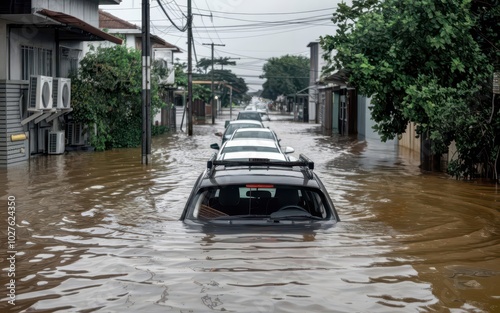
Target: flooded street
{"points": [[99, 232]]}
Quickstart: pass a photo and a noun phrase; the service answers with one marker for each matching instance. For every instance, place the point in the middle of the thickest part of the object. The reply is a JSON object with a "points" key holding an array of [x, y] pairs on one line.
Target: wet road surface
{"points": [[99, 232]]}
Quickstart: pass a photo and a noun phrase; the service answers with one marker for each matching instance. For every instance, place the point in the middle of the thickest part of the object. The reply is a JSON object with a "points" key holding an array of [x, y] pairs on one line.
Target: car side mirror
{"points": [[289, 150], [215, 146], [226, 123]]}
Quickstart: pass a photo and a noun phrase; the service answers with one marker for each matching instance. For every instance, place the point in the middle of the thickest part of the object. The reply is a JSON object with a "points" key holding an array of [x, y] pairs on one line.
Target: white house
{"points": [[41, 39]]}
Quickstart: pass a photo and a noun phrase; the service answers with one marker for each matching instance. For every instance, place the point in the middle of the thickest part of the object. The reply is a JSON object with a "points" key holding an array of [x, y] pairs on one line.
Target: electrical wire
{"points": [[272, 13], [182, 29], [212, 20]]}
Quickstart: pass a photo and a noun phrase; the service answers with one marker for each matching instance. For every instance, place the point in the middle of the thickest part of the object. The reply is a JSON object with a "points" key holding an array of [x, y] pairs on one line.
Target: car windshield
{"points": [[264, 202], [249, 115], [250, 148], [233, 127], [253, 134]]}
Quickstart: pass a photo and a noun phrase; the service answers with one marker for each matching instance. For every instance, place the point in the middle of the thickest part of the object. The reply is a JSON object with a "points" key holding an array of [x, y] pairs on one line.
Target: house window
{"points": [[35, 61], [68, 61]]}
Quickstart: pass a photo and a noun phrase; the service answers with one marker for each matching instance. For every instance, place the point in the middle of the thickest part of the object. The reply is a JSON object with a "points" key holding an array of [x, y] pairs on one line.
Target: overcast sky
{"points": [[251, 30]]}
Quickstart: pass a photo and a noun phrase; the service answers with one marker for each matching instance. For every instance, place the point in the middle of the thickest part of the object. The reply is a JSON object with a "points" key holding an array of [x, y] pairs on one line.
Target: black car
{"points": [[259, 192]]}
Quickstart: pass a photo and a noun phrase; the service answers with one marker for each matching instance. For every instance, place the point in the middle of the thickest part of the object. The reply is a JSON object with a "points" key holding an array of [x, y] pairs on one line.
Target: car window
{"points": [[249, 116], [251, 134], [222, 202], [233, 127]]}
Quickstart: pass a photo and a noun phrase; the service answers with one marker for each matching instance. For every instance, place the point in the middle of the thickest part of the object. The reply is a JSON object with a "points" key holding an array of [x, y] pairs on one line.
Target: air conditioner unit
{"points": [[75, 134], [56, 142], [40, 92], [61, 93]]}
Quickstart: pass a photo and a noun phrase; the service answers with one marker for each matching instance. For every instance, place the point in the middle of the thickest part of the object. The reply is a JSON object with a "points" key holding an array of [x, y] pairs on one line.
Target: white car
{"points": [[255, 133], [232, 126], [264, 116], [248, 149]]}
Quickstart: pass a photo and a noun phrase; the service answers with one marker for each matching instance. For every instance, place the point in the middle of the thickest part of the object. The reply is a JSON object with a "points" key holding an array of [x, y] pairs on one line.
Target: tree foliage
{"points": [[204, 63], [204, 92], [429, 62], [285, 75], [107, 96]]}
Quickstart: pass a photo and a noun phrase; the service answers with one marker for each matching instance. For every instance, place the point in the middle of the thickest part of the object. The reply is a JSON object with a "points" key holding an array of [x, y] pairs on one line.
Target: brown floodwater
{"points": [[99, 232]]}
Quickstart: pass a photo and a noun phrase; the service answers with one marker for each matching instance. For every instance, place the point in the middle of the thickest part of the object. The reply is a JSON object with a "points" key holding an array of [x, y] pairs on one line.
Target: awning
{"points": [[77, 29]]}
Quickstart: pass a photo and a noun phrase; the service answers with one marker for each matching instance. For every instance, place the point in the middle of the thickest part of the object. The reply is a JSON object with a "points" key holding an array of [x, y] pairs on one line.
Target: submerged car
{"points": [[244, 149], [259, 192], [264, 116], [232, 126], [249, 115], [255, 133]]}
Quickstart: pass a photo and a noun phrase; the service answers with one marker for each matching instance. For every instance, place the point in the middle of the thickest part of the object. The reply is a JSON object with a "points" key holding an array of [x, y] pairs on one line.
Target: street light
{"points": [[216, 106]]}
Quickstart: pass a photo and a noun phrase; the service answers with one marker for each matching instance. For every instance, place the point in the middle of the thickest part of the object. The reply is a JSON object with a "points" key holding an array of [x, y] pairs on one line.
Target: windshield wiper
{"points": [[236, 217], [294, 217]]}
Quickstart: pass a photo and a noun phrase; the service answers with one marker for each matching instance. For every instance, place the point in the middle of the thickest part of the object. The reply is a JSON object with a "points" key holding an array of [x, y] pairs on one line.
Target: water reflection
{"points": [[100, 232]]}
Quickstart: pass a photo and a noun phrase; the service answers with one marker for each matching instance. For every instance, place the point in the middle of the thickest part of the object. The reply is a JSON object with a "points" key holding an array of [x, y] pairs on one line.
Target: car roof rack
{"points": [[306, 164]]}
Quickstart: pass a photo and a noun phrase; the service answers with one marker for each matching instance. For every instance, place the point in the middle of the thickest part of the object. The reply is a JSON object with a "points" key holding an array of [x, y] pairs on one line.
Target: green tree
{"points": [[285, 75], [107, 95], [239, 86], [203, 64], [429, 62]]}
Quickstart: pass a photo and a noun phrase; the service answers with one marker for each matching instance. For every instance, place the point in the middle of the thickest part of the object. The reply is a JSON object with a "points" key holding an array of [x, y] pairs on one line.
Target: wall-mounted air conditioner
{"points": [[56, 142], [75, 134], [40, 92], [61, 93]]}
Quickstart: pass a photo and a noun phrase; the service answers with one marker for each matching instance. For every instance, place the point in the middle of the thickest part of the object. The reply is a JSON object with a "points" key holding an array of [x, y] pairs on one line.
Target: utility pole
{"points": [[230, 101], [146, 85], [189, 106], [212, 97]]}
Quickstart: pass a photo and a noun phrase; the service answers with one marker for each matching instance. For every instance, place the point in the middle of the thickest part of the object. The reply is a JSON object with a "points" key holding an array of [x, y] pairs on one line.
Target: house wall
{"points": [[408, 139], [3, 50], [129, 41], [362, 120], [44, 38], [335, 112], [313, 76], [86, 10], [321, 107], [11, 94], [366, 120]]}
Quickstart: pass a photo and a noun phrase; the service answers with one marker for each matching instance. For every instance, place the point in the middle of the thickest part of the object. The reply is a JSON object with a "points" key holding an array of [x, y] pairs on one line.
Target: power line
{"points": [[272, 32], [212, 20], [182, 29], [202, 23], [273, 13]]}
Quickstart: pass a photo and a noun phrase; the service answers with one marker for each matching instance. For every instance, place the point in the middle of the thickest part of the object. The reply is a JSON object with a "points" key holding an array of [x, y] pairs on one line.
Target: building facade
{"points": [[41, 42]]}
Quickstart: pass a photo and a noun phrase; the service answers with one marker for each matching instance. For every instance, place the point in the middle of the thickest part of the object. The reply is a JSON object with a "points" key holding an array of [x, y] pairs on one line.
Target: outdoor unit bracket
{"points": [[31, 117], [58, 113], [41, 118]]}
